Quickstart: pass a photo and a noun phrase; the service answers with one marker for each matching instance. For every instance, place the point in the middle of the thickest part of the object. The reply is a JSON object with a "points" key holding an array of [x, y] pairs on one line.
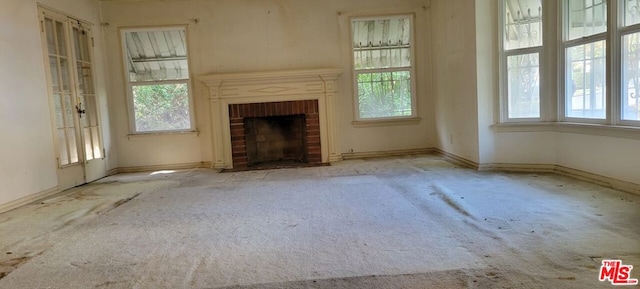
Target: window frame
{"points": [[129, 84], [411, 69], [566, 44], [504, 69]]}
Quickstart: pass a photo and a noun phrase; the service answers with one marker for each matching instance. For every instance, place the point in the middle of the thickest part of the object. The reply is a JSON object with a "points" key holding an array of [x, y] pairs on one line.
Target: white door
{"points": [[87, 103], [75, 118]]}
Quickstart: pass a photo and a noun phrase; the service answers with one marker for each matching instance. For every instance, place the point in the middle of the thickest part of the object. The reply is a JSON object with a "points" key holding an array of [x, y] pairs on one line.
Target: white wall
{"points": [[538, 148], [618, 158], [250, 35], [455, 77], [613, 157], [27, 156], [487, 47]]}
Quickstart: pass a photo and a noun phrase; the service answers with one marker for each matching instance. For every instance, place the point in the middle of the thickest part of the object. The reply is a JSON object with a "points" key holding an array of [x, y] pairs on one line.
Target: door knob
{"points": [[80, 110]]}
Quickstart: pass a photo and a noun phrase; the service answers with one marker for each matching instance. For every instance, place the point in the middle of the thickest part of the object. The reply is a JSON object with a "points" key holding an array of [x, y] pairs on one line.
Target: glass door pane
{"points": [[61, 84], [86, 94]]}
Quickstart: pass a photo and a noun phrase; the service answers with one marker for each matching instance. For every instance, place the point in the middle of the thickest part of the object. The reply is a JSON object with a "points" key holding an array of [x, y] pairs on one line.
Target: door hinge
{"points": [[104, 153], [93, 44], [41, 26]]}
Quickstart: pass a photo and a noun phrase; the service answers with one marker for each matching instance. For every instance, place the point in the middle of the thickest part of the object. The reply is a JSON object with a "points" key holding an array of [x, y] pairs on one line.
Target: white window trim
{"points": [[384, 121], [129, 85]]}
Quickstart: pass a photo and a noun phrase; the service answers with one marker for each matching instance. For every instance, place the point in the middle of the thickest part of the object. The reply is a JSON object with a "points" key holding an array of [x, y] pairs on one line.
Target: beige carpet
{"points": [[409, 222]]}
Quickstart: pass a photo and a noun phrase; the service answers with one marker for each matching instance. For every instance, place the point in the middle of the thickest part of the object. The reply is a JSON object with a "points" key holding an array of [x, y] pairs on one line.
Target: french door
{"points": [[75, 117]]}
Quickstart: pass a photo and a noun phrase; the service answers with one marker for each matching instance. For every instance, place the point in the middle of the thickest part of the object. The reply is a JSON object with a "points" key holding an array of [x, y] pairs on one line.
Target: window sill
{"points": [[386, 122], [136, 136], [629, 132]]}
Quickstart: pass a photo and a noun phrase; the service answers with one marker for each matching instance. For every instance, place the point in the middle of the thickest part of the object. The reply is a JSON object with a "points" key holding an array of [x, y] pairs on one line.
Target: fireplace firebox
{"points": [[275, 140], [275, 134]]}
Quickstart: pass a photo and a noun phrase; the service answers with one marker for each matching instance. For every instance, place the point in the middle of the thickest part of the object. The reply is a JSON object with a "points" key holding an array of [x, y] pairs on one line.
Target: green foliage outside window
{"points": [[161, 107], [384, 94]]}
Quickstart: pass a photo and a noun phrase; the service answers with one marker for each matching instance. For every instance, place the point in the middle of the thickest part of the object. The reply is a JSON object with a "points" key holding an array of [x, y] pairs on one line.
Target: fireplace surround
{"points": [[233, 97]]}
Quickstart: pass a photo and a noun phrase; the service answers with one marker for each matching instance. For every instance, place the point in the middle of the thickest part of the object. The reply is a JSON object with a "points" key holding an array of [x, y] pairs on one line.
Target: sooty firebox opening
{"points": [[275, 140]]}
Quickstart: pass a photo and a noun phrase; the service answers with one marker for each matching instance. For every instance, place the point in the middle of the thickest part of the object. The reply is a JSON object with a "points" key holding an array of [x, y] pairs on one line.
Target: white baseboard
{"points": [[599, 179], [112, 172], [28, 199], [625, 186], [377, 154], [454, 159], [184, 166], [518, 168]]}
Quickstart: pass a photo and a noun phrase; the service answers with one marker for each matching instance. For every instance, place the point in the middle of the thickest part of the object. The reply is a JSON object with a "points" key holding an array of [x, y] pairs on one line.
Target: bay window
{"points": [[596, 49]]}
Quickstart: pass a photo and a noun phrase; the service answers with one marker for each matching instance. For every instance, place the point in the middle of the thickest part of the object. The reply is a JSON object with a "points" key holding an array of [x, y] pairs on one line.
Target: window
{"points": [[522, 27], [383, 67], [585, 59], [158, 79]]}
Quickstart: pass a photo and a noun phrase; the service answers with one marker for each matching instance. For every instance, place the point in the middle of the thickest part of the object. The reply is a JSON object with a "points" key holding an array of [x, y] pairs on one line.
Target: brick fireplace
{"points": [[282, 133], [239, 102]]}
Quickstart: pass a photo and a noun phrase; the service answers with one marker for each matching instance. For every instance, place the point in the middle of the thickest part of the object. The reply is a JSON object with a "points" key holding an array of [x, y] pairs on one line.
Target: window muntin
{"points": [[158, 79], [383, 67], [522, 42]]}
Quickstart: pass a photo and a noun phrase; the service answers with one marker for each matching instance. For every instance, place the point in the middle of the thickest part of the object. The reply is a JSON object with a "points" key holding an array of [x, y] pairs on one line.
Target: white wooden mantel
{"points": [[272, 86]]}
